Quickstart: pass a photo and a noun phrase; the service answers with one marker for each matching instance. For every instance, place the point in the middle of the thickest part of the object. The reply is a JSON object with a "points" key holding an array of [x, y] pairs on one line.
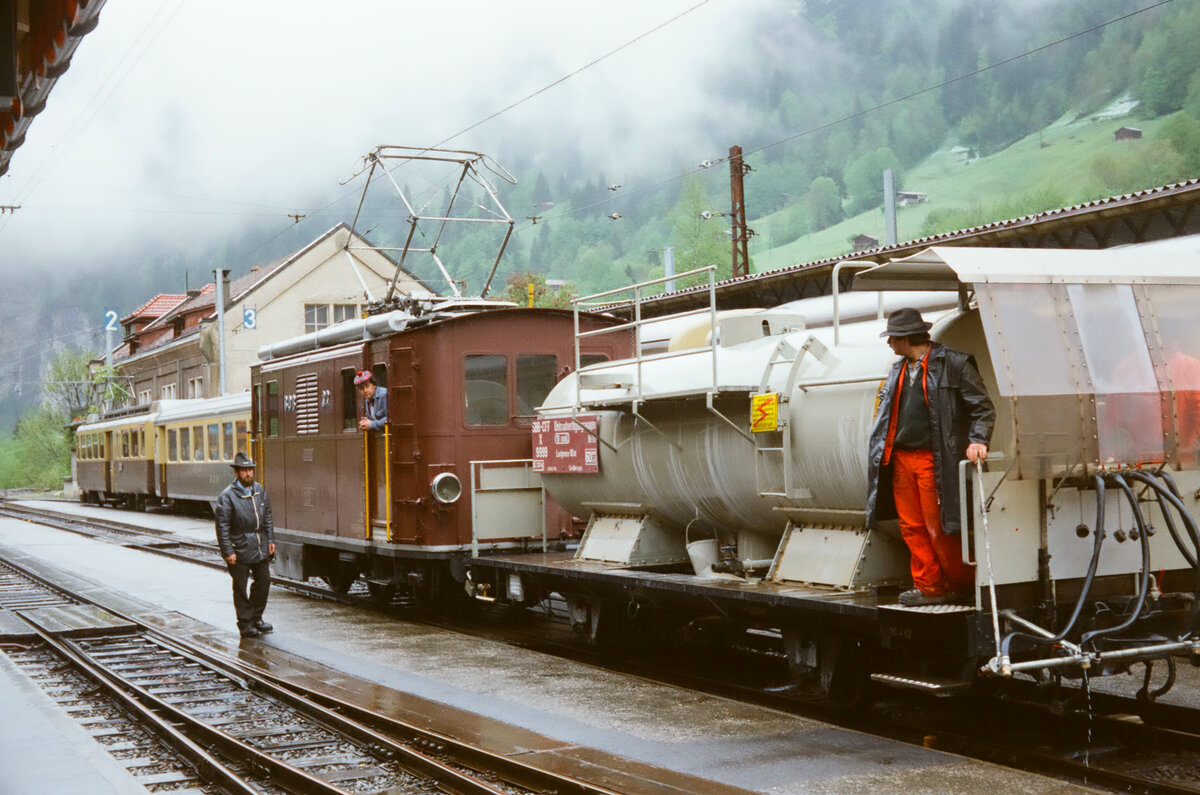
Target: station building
{"points": [[171, 345]]}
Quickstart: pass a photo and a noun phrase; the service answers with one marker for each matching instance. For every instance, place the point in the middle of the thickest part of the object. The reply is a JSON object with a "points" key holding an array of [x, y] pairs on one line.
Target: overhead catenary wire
{"points": [[708, 164], [513, 105]]}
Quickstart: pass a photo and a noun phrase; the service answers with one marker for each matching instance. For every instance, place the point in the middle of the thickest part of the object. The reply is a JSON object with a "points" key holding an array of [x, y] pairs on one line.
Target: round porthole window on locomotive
{"points": [[446, 487]]}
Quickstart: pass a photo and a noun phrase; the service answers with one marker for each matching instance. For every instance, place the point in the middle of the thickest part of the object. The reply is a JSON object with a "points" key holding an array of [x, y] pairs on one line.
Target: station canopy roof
{"points": [[952, 267]]}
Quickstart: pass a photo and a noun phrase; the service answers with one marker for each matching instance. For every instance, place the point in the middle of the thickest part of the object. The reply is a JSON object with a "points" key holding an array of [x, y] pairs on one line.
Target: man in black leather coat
{"points": [[934, 411], [246, 536]]}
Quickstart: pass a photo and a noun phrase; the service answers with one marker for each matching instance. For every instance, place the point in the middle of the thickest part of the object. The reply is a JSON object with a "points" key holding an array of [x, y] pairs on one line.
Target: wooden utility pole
{"points": [[737, 214]]}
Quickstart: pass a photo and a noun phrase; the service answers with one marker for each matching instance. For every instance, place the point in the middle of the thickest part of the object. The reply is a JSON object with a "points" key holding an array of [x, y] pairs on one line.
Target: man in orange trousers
{"points": [[933, 411]]}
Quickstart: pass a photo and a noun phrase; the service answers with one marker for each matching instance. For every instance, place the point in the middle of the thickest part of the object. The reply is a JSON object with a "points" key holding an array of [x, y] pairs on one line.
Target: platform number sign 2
{"points": [[110, 320], [249, 318]]}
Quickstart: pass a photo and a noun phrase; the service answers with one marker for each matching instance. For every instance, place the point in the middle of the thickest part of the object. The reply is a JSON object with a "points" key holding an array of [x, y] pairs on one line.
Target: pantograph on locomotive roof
{"points": [[449, 177]]}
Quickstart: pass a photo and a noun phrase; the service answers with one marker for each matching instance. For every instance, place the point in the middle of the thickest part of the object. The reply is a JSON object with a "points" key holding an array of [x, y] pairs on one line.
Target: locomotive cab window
{"points": [[588, 359], [349, 401], [536, 376], [486, 390], [272, 408]]}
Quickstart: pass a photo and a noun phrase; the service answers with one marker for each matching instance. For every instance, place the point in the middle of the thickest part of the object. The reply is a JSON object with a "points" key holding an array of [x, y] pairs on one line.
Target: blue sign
{"points": [[110, 321], [249, 318]]}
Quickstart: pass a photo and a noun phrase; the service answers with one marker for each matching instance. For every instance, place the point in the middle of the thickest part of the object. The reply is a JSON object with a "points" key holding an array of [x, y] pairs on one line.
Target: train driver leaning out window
{"points": [[374, 402]]}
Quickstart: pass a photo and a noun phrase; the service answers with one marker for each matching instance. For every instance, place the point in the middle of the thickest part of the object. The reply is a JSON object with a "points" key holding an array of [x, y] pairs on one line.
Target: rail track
{"points": [[1104, 740], [179, 717]]}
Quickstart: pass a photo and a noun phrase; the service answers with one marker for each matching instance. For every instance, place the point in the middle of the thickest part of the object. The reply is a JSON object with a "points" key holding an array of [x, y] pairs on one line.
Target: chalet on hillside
{"points": [[864, 242], [1127, 134]]}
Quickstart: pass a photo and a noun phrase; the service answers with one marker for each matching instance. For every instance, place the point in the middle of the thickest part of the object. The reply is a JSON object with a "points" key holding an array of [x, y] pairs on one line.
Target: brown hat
{"points": [[904, 322]]}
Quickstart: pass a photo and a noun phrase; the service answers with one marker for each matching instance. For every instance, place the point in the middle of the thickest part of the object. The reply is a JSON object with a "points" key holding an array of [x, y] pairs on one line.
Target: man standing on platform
{"points": [[246, 536], [375, 402], [933, 411]]}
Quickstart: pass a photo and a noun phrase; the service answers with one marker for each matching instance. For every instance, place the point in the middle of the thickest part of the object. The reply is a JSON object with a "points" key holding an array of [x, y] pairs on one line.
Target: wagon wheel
{"points": [[342, 579], [382, 593]]}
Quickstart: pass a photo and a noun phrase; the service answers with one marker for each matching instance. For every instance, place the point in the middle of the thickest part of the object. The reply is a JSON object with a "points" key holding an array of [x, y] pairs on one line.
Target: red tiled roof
{"points": [[157, 306], [47, 36]]}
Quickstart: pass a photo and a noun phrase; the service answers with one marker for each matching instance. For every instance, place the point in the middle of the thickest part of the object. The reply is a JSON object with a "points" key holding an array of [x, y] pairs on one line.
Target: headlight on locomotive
{"points": [[446, 488]]}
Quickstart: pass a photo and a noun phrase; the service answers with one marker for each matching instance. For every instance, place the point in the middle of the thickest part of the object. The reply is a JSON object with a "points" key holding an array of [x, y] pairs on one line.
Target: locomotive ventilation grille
{"points": [[306, 404]]}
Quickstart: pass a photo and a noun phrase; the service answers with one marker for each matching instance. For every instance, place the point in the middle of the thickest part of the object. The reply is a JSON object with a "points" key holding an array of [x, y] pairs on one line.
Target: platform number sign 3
{"points": [[110, 320], [249, 318]]}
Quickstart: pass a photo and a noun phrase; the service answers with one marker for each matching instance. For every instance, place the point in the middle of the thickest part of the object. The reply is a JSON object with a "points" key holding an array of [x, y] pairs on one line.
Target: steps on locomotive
{"points": [[934, 685]]}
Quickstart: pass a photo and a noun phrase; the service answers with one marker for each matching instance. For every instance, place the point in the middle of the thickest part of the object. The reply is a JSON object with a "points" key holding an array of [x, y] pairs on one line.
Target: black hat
{"points": [[904, 322], [242, 461]]}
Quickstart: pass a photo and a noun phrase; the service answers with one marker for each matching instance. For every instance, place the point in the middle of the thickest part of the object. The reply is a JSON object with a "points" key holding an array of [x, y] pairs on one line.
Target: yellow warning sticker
{"points": [[764, 412]]}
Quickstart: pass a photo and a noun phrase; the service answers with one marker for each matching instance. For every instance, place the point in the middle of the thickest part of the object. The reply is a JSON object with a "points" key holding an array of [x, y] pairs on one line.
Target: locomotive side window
{"points": [[214, 442], [185, 444], [197, 442], [256, 417], [172, 445], [272, 408], [486, 380], [588, 359], [536, 374], [227, 441], [349, 400]]}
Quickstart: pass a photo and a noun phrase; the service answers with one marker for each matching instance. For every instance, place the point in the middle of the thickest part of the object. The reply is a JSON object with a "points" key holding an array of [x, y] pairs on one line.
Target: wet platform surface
{"points": [[627, 733]]}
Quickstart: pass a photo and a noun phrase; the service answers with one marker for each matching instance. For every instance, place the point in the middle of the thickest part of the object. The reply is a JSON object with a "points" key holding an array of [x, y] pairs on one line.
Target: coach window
{"points": [[227, 441], [172, 445], [272, 408], [240, 436], [197, 442], [124, 444], [185, 444], [536, 374], [133, 444], [349, 400], [214, 442], [486, 390]]}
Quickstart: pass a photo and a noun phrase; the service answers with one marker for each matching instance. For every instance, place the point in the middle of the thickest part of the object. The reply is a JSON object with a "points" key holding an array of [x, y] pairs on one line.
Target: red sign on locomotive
{"points": [[560, 445]]}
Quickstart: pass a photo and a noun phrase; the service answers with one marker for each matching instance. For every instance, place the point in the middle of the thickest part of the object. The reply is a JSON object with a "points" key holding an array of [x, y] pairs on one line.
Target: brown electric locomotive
{"points": [[391, 505]]}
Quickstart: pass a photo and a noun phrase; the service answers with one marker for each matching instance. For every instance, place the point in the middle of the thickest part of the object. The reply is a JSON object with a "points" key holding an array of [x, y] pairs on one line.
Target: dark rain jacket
{"points": [[244, 523], [960, 413]]}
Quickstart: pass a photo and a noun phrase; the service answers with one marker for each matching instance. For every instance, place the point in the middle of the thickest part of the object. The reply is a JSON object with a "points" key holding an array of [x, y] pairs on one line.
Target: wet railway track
{"points": [[1105, 740], [180, 718]]}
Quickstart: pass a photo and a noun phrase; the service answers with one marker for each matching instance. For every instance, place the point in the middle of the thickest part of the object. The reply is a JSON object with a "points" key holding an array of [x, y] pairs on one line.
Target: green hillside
{"points": [[1052, 168]]}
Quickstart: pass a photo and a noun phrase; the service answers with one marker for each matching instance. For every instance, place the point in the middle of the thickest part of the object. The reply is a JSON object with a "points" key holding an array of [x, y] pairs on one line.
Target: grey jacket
{"points": [[244, 523], [960, 413], [376, 409]]}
